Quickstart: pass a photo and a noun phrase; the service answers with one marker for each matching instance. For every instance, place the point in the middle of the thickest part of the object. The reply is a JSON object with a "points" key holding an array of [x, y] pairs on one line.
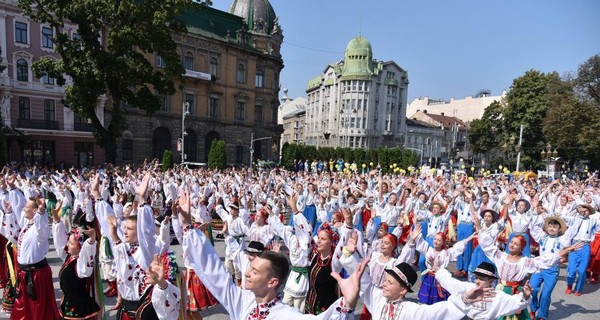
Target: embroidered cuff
{"points": [[344, 308], [186, 229], [346, 252]]}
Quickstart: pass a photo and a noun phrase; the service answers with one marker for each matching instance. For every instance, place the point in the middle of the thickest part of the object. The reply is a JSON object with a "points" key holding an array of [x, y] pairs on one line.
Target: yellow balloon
{"points": [[371, 164], [391, 166], [487, 172], [500, 167], [462, 167], [470, 178], [395, 165], [364, 165]]}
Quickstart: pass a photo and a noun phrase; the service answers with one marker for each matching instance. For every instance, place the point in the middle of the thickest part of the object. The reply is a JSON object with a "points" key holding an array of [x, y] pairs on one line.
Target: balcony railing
{"points": [[88, 127], [38, 124]]}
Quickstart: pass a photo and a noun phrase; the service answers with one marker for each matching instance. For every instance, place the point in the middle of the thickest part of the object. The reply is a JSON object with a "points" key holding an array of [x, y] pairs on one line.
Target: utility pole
{"points": [[520, 142]]}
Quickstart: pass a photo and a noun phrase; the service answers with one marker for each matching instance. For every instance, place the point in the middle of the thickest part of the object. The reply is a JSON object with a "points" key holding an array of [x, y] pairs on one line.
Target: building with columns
{"points": [[38, 127], [358, 102]]}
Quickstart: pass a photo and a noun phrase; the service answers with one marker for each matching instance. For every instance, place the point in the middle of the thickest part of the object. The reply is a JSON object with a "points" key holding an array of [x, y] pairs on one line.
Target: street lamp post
{"points": [[549, 156], [185, 111], [252, 146]]}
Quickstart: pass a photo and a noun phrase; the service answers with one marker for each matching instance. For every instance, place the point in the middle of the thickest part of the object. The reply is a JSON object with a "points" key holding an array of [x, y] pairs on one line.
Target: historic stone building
{"points": [[232, 61], [358, 102], [38, 127]]}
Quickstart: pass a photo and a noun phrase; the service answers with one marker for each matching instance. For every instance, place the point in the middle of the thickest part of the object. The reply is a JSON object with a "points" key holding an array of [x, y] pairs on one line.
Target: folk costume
{"points": [[241, 304]]}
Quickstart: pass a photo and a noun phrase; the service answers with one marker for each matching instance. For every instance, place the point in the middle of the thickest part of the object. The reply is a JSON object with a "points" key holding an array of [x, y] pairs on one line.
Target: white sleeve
{"points": [[60, 236], [85, 262], [166, 302]]}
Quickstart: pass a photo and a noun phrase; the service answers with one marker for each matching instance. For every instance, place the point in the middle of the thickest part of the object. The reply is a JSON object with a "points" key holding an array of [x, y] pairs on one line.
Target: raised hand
{"points": [[156, 273], [350, 287], [91, 233], [527, 290], [416, 232], [351, 244], [276, 246], [479, 293], [56, 211], [185, 216], [142, 188]]}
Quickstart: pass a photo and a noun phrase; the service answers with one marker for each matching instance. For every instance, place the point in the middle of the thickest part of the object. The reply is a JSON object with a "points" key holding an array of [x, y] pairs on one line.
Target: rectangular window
{"points": [[213, 107], [39, 151], [260, 78], [240, 111], [191, 99], [21, 32], [160, 62], [164, 103], [127, 149], [47, 35], [84, 153], [49, 110], [24, 108], [239, 154], [47, 79], [258, 114], [273, 113]]}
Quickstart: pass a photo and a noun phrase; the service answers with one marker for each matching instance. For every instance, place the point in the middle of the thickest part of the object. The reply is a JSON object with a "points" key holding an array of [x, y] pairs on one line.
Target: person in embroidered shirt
{"points": [[387, 302], [485, 276], [78, 250], [133, 256], [35, 291], [267, 273]]}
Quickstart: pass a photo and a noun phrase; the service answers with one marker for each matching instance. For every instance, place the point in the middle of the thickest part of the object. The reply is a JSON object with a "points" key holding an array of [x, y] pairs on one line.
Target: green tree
{"points": [[217, 156], [587, 82], [526, 104], [113, 55], [167, 160], [484, 132]]}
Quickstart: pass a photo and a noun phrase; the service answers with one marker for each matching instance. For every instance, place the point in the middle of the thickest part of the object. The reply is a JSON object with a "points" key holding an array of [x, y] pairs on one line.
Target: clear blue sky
{"points": [[449, 48]]}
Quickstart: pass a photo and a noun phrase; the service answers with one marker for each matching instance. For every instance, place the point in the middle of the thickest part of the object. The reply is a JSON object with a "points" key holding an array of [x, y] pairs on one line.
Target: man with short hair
{"points": [[266, 274]]}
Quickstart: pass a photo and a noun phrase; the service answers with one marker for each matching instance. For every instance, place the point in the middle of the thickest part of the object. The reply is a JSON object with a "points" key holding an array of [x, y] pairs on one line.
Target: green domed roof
{"points": [[259, 14], [358, 59], [359, 46]]}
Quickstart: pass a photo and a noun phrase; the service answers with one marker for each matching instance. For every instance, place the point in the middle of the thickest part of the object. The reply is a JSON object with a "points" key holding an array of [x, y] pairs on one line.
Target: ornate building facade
{"points": [[38, 127], [358, 102], [230, 89]]}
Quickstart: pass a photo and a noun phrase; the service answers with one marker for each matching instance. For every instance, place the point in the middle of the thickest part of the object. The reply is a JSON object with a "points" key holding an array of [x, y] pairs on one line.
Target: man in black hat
{"points": [[485, 276], [387, 302]]}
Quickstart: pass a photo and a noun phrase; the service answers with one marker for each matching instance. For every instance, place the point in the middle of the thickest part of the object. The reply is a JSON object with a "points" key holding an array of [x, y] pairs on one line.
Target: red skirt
{"points": [[3, 262], [44, 306], [595, 259], [199, 298]]}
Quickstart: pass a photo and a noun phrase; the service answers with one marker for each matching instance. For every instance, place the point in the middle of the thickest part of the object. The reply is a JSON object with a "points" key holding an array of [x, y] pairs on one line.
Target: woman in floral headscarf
{"points": [[322, 289]]}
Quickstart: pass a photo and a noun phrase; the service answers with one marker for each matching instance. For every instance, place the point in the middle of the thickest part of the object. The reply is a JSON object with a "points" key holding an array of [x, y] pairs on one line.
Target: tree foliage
{"points": [[167, 160], [587, 82], [217, 156], [484, 133], [526, 105], [113, 55]]}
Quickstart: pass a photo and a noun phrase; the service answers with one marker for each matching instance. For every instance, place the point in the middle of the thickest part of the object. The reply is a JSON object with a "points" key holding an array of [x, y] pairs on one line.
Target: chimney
{"points": [[425, 111], [442, 113]]}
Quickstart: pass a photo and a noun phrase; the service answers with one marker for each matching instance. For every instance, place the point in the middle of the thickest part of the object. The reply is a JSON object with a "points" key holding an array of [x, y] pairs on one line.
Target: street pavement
{"points": [[585, 307]]}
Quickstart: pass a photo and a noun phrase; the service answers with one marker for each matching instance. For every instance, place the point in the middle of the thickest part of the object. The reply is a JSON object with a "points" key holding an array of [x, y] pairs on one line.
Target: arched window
{"points": [[188, 61], [214, 67], [241, 73], [190, 144], [260, 78], [161, 141], [22, 70]]}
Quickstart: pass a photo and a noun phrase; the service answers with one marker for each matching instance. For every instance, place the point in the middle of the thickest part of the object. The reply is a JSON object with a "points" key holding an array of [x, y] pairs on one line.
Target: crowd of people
{"points": [[111, 226]]}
